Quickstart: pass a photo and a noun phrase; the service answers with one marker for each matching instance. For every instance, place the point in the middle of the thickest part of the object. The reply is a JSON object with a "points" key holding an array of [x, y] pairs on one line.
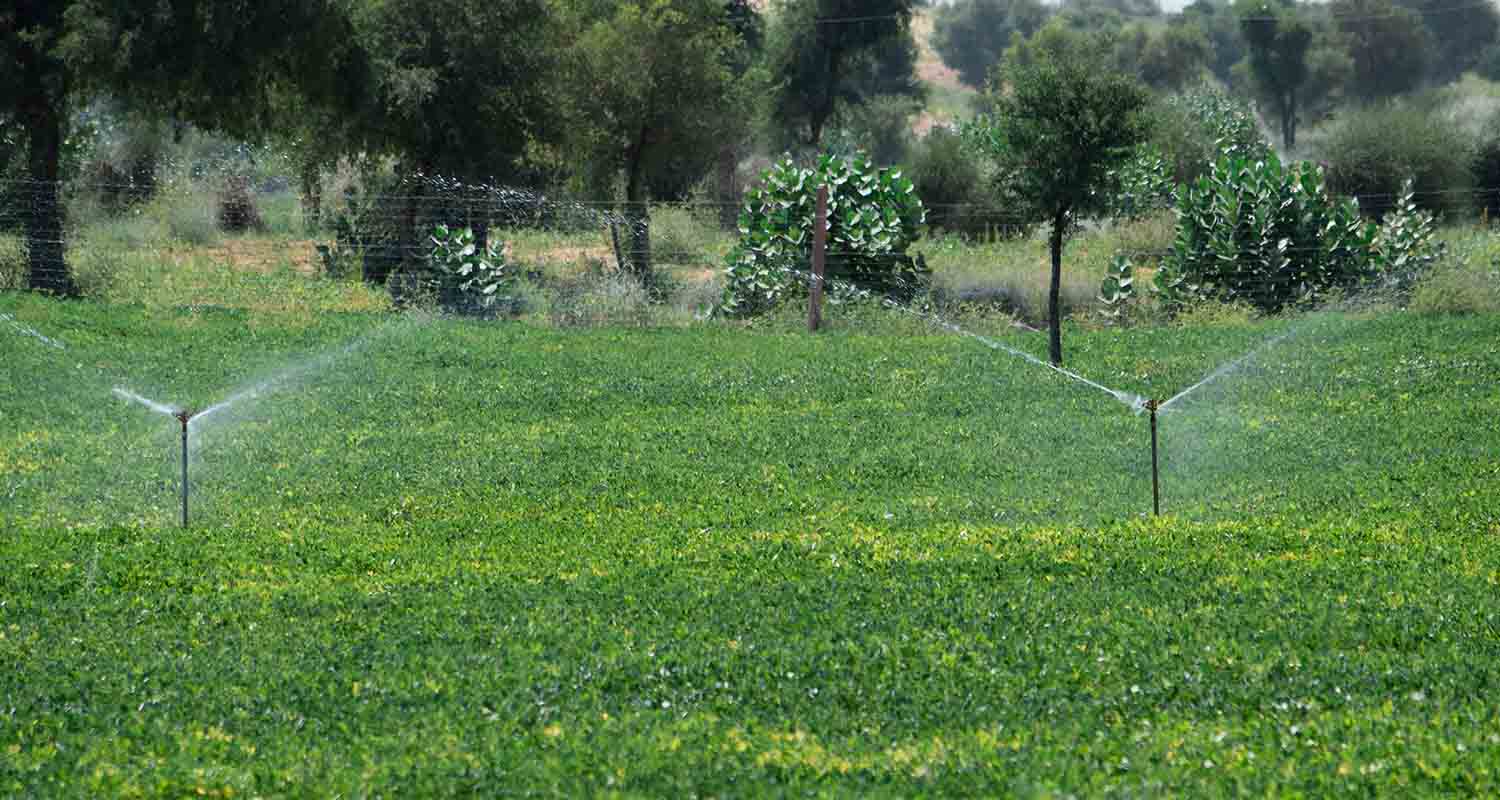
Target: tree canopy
{"points": [[1062, 121]]}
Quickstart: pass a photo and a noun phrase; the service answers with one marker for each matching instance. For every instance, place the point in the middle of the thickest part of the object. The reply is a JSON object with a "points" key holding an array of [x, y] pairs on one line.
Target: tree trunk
{"points": [[44, 223], [312, 198], [1054, 294], [639, 217], [729, 189], [1288, 109], [1291, 121]]}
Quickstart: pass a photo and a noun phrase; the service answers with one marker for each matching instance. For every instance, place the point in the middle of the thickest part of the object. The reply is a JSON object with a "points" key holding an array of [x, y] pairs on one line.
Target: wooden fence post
{"points": [[819, 254]]}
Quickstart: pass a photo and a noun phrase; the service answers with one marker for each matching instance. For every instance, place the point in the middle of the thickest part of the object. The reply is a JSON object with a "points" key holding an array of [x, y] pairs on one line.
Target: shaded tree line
{"points": [[638, 100]]}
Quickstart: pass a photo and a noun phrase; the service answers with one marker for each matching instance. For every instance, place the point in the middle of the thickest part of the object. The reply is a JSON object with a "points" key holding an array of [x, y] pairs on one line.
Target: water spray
{"points": [[1152, 406]]}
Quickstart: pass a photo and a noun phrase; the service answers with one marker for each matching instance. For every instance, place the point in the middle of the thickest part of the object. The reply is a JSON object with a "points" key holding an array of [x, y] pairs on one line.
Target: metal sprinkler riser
{"points": [[183, 417], [1152, 406]]}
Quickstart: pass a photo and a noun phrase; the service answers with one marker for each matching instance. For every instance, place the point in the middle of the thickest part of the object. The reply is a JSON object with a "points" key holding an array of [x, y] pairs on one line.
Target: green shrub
{"points": [[1371, 152], [468, 279], [874, 215], [971, 35], [951, 184], [1465, 281], [682, 235], [1486, 170], [13, 266], [1189, 132], [189, 215], [1272, 236]]}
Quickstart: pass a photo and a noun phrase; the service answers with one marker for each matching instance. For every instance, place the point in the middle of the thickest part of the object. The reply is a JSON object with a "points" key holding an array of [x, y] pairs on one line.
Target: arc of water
{"points": [[160, 408], [1134, 401], [1224, 369], [26, 330]]}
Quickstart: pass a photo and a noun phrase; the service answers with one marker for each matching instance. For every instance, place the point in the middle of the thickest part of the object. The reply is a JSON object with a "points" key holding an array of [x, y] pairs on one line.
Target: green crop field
{"points": [[432, 557]]}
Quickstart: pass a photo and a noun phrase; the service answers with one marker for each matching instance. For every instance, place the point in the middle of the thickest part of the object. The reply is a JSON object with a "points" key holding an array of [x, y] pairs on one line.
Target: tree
{"points": [[1218, 23], [1462, 32], [825, 54], [1278, 40], [639, 61], [1165, 58], [1062, 120], [1389, 46], [971, 35], [212, 62], [462, 89]]}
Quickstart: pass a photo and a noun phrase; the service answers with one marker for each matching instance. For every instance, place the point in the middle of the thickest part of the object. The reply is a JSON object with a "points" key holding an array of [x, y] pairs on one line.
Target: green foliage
{"points": [[1466, 280], [950, 180], [1165, 58], [1219, 24], [1273, 236], [1117, 291], [469, 279], [1462, 33], [1189, 132], [1390, 46], [517, 561], [1279, 40], [1486, 169], [634, 64], [971, 35], [461, 87], [1370, 153], [881, 126], [874, 215], [1063, 122], [818, 69]]}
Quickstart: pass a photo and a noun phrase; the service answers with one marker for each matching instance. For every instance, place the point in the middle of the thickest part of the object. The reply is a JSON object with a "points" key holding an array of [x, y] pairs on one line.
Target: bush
{"points": [[1273, 236], [13, 266], [1486, 170], [971, 35], [468, 280], [1189, 132], [1371, 152], [1465, 281], [874, 215], [237, 212], [952, 186]]}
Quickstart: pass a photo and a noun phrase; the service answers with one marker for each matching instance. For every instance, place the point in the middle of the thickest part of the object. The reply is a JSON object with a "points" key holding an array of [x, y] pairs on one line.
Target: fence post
{"points": [[819, 253]]}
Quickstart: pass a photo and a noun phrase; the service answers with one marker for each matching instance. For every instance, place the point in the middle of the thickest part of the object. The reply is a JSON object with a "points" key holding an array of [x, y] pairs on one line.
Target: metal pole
{"points": [[820, 248], [183, 417], [1152, 405]]}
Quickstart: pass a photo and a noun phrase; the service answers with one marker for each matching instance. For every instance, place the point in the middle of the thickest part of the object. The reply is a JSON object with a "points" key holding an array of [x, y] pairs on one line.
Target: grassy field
{"points": [[436, 557]]}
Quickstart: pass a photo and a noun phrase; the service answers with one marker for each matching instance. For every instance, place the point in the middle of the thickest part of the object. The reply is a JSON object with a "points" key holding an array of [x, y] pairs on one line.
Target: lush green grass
{"points": [[501, 558]]}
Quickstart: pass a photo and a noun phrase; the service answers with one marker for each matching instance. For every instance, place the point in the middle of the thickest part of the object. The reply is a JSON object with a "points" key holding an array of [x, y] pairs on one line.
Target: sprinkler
{"points": [[183, 416], [1151, 405]]}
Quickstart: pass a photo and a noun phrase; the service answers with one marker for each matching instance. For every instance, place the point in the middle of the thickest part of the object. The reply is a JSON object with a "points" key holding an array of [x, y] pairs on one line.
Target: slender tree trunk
{"points": [[1054, 294], [729, 190], [638, 214], [1291, 121], [44, 223], [312, 197]]}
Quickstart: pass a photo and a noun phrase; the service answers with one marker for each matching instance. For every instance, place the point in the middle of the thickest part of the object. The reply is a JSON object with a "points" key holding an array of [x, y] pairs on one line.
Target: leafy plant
{"points": [[1265, 234], [1273, 235], [1118, 288], [874, 215], [1189, 132], [468, 278]]}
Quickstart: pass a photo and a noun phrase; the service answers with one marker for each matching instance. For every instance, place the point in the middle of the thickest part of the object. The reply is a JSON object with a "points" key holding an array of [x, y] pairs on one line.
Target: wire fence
{"points": [[56, 236]]}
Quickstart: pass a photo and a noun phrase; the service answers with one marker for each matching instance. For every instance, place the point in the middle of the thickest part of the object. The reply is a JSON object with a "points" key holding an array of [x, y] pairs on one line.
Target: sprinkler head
{"points": [[1151, 405], [184, 415]]}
